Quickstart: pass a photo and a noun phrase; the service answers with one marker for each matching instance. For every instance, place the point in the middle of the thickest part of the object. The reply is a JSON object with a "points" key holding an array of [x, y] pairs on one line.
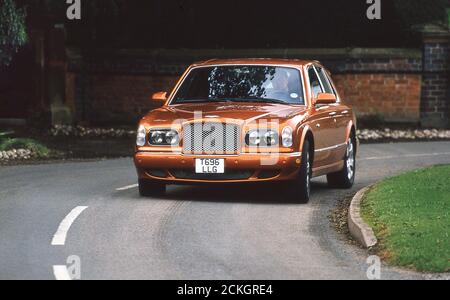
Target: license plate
{"points": [[209, 166]]}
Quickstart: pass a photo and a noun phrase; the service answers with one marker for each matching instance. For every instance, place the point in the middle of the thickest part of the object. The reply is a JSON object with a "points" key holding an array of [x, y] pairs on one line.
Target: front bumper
{"points": [[249, 167]]}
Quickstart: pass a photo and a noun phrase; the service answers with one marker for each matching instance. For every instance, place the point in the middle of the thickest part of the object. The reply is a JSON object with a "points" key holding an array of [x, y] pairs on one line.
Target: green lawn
{"points": [[410, 215]]}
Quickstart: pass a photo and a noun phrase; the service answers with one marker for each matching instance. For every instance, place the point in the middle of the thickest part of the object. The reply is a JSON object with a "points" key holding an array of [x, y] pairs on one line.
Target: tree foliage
{"points": [[423, 11], [13, 34]]}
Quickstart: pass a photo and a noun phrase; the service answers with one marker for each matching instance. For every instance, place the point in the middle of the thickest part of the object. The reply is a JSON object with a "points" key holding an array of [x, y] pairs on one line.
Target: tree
{"points": [[423, 11], [13, 34]]}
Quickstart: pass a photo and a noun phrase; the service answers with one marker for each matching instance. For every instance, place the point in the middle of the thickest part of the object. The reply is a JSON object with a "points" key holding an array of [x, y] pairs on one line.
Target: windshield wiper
{"points": [[247, 99], [190, 101], [263, 100]]}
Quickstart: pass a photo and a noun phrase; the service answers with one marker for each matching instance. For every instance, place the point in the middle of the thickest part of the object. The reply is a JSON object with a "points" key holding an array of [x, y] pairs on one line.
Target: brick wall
{"points": [[387, 85], [123, 98], [116, 87], [396, 97]]}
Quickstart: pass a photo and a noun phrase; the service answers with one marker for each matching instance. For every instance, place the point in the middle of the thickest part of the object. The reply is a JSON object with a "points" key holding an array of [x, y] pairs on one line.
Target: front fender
{"points": [[302, 131], [350, 126]]}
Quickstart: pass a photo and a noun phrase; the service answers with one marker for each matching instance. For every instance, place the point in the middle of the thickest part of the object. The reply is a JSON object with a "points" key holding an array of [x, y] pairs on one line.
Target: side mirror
{"points": [[325, 99], [159, 98]]}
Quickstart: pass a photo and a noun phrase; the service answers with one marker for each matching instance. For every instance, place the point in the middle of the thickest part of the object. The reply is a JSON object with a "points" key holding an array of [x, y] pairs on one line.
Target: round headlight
{"points": [[172, 137], [254, 138], [157, 138], [286, 137], [140, 138], [270, 138]]}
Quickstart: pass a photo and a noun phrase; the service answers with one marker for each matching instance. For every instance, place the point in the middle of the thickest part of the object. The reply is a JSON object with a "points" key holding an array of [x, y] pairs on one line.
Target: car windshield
{"points": [[241, 84]]}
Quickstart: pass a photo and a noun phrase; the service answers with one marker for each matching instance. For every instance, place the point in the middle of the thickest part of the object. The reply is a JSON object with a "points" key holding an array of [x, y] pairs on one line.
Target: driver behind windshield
{"points": [[241, 84]]}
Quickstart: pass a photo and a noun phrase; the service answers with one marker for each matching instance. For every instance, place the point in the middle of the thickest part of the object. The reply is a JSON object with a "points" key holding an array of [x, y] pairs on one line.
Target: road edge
{"points": [[360, 230]]}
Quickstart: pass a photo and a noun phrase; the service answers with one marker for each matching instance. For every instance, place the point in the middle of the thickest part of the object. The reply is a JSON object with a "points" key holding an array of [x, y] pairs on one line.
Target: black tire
{"points": [[300, 189], [345, 178], [148, 188]]}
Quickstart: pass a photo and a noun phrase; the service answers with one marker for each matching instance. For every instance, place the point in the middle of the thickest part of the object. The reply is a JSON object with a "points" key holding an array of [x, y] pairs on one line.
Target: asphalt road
{"points": [[213, 232]]}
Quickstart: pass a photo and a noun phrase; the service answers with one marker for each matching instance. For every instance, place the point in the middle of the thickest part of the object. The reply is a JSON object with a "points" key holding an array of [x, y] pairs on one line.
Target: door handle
{"points": [[332, 113]]}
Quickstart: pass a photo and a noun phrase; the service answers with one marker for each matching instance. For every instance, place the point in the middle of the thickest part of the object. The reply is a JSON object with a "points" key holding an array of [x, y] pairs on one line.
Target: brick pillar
{"points": [[435, 108]]}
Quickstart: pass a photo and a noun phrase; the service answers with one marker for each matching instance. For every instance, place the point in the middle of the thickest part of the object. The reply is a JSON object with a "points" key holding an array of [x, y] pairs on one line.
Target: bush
{"points": [[29, 144]]}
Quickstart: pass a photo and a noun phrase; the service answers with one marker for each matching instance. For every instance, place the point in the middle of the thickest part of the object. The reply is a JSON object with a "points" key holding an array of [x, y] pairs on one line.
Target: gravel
{"points": [[373, 135], [17, 154], [80, 131]]}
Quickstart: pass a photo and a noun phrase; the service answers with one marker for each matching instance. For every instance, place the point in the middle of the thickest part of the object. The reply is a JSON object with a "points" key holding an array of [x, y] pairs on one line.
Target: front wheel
{"points": [[346, 177], [148, 188], [300, 189]]}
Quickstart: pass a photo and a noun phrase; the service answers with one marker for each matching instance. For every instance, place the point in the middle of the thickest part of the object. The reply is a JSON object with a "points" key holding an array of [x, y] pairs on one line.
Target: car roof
{"points": [[256, 61]]}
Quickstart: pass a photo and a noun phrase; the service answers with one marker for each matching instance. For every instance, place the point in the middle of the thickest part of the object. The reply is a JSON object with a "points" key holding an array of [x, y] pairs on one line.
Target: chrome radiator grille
{"points": [[211, 138]]}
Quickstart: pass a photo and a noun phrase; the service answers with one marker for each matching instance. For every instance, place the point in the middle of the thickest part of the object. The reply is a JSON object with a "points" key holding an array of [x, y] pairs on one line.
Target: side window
{"points": [[324, 79], [314, 83], [331, 83]]}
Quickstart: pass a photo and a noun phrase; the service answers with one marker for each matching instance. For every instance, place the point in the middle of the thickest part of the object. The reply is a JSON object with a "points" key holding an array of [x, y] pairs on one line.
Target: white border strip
{"points": [[128, 187], [59, 238], [61, 273], [405, 156]]}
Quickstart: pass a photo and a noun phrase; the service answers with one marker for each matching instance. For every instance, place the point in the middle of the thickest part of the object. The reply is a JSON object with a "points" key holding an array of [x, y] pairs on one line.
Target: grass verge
{"points": [[410, 215]]}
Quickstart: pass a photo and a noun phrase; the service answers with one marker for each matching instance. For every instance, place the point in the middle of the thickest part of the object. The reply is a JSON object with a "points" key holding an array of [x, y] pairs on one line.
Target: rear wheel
{"points": [[346, 177], [148, 188], [300, 189]]}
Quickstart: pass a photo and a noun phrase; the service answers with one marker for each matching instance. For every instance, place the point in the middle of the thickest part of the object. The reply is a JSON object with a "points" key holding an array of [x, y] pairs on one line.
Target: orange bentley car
{"points": [[248, 120]]}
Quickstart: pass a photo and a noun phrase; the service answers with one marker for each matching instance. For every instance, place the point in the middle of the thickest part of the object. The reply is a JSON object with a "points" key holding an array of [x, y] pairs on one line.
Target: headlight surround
{"points": [[140, 138], [286, 137], [261, 138], [163, 137]]}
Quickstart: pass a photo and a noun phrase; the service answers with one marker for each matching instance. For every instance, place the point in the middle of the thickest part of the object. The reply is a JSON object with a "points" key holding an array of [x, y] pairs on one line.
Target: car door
{"points": [[322, 123], [342, 113]]}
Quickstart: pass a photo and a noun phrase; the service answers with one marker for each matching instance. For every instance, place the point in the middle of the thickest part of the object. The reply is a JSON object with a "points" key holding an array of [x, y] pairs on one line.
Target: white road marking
{"points": [[59, 238], [405, 155], [128, 187], [61, 273]]}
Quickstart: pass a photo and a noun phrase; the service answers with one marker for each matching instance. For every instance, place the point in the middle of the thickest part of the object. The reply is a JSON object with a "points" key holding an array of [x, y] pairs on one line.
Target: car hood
{"points": [[246, 112]]}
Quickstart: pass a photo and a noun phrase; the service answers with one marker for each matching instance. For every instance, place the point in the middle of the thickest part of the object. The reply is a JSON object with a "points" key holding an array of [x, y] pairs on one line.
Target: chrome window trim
{"points": [[333, 87], [172, 96], [309, 81], [320, 79], [338, 99]]}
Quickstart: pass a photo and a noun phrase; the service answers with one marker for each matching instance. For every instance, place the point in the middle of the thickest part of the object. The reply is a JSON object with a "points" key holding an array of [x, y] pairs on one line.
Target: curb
{"points": [[362, 232]]}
